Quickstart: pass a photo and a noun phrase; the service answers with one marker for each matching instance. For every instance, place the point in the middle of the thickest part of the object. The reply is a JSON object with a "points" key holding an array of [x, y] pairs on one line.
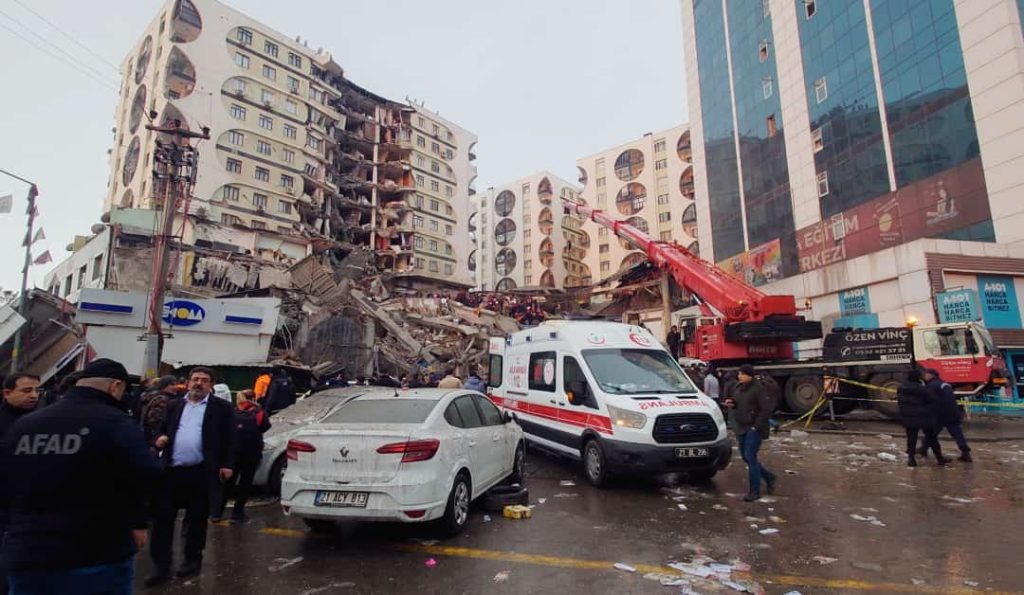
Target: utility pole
{"points": [[33, 192], [175, 165]]}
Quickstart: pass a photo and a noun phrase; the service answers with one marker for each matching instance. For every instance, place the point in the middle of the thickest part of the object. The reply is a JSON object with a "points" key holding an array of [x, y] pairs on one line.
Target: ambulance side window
{"points": [[573, 373], [494, 370], [542, 371]]}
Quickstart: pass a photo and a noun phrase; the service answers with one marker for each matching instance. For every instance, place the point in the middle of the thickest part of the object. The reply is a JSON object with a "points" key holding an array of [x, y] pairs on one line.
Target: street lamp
{"points": [[33, 192]]}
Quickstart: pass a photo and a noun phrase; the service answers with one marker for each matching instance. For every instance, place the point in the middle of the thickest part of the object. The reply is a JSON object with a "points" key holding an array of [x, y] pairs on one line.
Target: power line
{"points": [[58, 58], [67, 35], [73, 58]]}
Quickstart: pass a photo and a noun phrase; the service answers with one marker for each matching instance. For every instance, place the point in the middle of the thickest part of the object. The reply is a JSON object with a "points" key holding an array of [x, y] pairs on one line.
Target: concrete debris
{"points": [[567, 483], [887, 456], [824, 560], [798, 434], [917, 582], [501, 576], [960, 500], [624, 567], [682, 507], [868, 519], [768, 531], [566, 495], [971, 583], [283, 563]]}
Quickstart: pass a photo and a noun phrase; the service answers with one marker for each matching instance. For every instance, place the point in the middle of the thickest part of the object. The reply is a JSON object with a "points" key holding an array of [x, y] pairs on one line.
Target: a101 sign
{"points": [[999, 306], [958, 306]]}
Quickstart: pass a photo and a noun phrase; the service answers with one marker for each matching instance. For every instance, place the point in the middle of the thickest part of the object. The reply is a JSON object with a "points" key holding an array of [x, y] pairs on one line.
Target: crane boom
{"points": [[748, 314]]}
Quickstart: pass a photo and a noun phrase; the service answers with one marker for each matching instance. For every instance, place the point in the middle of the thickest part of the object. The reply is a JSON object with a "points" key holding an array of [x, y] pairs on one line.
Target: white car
{"points": [[401, 455]]}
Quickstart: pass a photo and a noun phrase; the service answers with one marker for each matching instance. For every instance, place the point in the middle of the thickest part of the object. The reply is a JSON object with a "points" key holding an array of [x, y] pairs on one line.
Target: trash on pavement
{"points": [[565, 495], [777, 519], [517, 511], [798, 434], [431, 563], [541, 500], [487, 518], [768, 531], [884, 436], [887, 456], [501, 576], [720, 507], [624, 567], [917, 582], [682, 507], [824, 560], [567, 483], [960, 499], [971, 583], [283, 563]]}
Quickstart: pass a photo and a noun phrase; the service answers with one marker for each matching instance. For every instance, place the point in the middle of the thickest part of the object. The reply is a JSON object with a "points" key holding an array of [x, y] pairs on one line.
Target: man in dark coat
{"points": [[251, 422], [75, 480], [198, 452], [753, 406], [673, 341], [281, 393], [947, 412], [918, 415]]}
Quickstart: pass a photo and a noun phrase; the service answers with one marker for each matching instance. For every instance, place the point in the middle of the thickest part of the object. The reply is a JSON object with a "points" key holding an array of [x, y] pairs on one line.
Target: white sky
{"points": [[541, 82]]}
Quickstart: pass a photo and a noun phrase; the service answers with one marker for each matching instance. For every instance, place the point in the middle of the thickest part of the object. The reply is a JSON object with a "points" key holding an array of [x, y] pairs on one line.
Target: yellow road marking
{"points": [[580, 564]]}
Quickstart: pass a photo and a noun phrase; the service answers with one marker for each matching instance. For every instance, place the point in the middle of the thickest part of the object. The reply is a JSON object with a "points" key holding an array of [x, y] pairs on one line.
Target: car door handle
{"points": [[552, 401], [495, 438], [472, 442]]}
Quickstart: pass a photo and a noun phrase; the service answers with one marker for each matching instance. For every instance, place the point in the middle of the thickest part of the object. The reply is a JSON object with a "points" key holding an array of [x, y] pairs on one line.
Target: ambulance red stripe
{"points": [[598, 423]]}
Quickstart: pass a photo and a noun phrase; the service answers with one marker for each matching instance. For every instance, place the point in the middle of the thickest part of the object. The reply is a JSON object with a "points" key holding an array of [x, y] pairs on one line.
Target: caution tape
{"points": [[962, 402], [884, 389], [995, 404]]}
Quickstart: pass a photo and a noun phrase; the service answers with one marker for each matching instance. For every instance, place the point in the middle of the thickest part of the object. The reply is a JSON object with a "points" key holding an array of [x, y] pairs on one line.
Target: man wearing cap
{"points": [[948, 413], [198, 455], [753, 407], [74, 481]]}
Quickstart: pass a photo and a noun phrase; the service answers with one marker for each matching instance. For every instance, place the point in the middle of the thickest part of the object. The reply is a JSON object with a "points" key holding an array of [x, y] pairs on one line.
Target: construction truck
{"points": [[739, 324]]}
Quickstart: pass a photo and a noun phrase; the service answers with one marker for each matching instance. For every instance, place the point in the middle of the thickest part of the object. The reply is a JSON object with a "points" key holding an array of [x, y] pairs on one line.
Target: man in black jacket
{"points": [[197, 451], [918, 415], [76, 476], [753, 407], [947, 412], [251, 422]]}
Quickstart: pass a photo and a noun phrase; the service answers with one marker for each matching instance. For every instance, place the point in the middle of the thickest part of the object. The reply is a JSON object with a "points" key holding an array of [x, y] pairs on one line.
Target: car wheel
{"points": [[276, 475], [701, 476], [595, 464], [456, 514], [320, 526], [496, 499], [518, 465]]}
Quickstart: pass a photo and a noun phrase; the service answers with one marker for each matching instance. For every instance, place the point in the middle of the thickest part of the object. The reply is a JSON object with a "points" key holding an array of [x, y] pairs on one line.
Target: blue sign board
{"points": [[183, 313], [999, 301], [857, 321], [854, 301], [958, 306]]}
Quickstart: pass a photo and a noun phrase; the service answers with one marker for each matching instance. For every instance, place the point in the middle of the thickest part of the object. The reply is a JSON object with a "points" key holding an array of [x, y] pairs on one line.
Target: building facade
{"points": [[525, 239], [300, 159], [862, 155], [650, 183]]}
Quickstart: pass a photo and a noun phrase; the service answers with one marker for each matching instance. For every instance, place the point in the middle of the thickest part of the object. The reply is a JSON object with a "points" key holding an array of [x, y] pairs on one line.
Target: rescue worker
{"points": [[948, 413], [918, 415], [251, 422], [261, 386], [76, 476], [281, 393], [450, 381], [474, 382], [154, 407], [673, 340], [753, 406]]}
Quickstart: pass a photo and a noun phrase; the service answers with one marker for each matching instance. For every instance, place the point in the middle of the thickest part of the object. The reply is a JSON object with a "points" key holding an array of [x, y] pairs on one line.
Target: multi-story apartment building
{"points": [[864, 155], [301, 160], [649, 182], [525, 239]]}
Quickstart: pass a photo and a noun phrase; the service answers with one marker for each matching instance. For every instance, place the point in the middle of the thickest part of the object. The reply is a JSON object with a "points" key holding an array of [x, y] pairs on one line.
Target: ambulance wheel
{"points": [[886, 399], [595, 464]]}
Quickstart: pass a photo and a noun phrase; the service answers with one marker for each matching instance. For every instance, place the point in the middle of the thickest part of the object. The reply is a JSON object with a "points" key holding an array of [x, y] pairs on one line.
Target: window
{"points": [[606, 266], [241, 86], [491, 414], [290, 131], [437, 130], [449, 154], [433, 266], [259, 201], [420, 180], [237, 112], [821, 89], [770, 125], [288, 155], [433, 225], [418, 201], [421, 160], [242, 60], [448, 249], [418, 242], [603, 249], [448, 231], [435, 205], [293, 84], [266, 96], [659, 146], [236, 138], [97, 267], [287, 181], [435, 147], [421, 122], [435, 185], [262, 174], [435, 167], [314, 143], [468, 412], [269, 73], [542, 371], [666, 236], [816, 141], [526, 189], [662, 199], [448, 268], [419, 263], [244, 36], [665, 217], [602, 232], [227, 219], [234, 166], [417, 221], [231, 193], [600, 182], [822, 184], [810, 8], [762, 50], [661, 164], [449, 191], [572, 374], [291, 107], [258, 224], [294, 60], [451, 415], [767, 87], [266, 122], [420, 141], [433, 245], [270, 48], [284, 207]]}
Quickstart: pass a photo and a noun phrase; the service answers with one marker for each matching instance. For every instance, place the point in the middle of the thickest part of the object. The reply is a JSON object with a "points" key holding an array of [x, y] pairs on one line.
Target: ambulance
{"points": [[610, 395]]}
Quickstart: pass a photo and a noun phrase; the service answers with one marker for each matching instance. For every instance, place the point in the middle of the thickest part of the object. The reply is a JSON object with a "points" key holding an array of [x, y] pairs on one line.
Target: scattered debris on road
{"points": [[283, 563]]}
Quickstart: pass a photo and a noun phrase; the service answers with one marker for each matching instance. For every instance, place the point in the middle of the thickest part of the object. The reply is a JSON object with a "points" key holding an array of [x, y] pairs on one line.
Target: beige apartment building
{"points": [[300, 159], [648, 182], [524, 238]]}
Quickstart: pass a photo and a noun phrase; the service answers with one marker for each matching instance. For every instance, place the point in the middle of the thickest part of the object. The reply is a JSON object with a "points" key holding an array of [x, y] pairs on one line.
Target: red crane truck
{"points": [[740, 324]]}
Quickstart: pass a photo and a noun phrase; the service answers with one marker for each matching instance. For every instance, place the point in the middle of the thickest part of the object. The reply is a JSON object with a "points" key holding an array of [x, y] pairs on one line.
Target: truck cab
{"points": [[964, 355], [610, 395]]}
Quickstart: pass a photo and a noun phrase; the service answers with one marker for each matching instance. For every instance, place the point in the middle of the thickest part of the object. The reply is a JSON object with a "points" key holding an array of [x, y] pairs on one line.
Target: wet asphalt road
{"points": [[890, 529]]}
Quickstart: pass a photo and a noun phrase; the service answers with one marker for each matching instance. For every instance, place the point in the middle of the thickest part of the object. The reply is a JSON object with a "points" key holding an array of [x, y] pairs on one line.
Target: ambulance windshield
{"points": [[637, 372]]}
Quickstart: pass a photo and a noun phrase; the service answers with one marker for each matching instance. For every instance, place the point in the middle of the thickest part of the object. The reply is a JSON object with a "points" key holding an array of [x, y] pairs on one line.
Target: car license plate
{"points": [[344, 499], [691, 453]]}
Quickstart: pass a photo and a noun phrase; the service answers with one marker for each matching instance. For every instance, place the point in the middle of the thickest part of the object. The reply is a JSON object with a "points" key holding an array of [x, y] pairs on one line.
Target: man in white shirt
{"points": [[711, 385]]}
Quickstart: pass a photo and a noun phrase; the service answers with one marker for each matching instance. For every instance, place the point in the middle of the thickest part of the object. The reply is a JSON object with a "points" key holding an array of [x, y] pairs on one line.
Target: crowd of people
{"points": [[527, 311]]}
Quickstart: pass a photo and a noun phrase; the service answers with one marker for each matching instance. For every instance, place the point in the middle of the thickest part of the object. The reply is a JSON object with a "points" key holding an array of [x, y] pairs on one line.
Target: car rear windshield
{"points": [[393, 411]]}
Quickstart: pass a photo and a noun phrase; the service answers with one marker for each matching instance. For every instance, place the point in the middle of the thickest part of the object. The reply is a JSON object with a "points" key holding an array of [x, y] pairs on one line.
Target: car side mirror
{"points": [[577, 393], [510, 417], [972, 345]]}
